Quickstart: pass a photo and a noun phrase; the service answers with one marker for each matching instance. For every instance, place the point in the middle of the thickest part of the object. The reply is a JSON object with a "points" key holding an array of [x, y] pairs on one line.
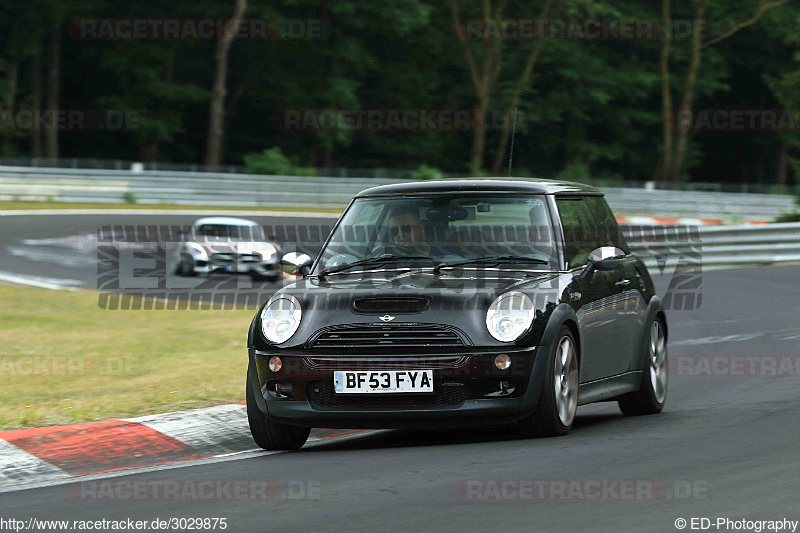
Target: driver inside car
{"points": [[407, 231]]}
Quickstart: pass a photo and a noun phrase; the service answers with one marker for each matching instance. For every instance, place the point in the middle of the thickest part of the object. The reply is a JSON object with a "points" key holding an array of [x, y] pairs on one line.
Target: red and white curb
{"points": [[667, 221], [52, 455]]}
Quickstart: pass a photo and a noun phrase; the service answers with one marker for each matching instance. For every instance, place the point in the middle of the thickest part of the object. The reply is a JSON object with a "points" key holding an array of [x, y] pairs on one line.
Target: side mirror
{"points": [[296, 264], [605, 258]]}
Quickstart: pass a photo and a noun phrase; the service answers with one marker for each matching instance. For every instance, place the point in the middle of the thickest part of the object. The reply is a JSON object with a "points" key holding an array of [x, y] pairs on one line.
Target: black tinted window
{"points": [[608, 231], [580, 234]]}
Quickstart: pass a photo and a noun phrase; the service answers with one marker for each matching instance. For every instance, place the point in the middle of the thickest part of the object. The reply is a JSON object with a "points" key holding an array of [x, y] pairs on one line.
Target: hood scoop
{"points": [[390, 304]]}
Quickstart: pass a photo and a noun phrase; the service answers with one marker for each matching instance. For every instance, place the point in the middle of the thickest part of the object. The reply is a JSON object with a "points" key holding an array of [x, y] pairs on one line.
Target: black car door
{"points": [[593, 295], [629, 308]]}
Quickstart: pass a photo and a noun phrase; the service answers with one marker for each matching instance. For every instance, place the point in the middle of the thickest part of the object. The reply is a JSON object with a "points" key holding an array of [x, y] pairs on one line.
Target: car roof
{"points": [[501, 185], [224, 221]]}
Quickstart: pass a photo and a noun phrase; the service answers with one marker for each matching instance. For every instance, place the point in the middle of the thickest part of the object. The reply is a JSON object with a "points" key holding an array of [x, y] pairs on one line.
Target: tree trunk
{"points": [[681, 138], [36, 93], [500, 156], [148, 153], [687, 98], [54, 79], [666, 93], [216, 118], [11, 98], [478, 137], [483, 78], [782, 165]]}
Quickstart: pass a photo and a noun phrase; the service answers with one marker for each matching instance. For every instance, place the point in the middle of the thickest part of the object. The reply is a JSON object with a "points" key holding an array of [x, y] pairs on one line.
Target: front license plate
{"points": [[365, 381]]}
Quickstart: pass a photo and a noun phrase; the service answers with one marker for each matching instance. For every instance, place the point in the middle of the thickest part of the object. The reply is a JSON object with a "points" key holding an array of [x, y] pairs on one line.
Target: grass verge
{"points": [[64, 360]]}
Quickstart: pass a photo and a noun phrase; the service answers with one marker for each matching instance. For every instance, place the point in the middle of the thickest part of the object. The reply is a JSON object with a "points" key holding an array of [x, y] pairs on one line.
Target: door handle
{"points": [[623, 283]]}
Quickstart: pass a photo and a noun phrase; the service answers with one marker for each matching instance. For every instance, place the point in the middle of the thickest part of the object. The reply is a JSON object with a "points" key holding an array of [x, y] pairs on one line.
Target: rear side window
{"points": [[580, 235], [608, 231]]}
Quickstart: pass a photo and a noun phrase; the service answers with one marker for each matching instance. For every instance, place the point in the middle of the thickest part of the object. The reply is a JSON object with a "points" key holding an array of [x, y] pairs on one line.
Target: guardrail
{"points": [[687, 248], [375, 172], [205, 188]]}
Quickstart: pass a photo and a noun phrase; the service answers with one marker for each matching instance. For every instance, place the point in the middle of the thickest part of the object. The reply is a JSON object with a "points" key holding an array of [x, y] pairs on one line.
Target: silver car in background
{"points": [[227, 244]]}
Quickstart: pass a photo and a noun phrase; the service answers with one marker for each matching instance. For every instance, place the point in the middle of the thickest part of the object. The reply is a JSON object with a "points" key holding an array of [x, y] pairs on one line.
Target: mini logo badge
{"points": [[386, 318]]}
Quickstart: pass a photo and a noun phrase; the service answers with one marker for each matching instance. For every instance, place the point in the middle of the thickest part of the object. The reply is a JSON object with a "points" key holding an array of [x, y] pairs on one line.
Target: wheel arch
{"points": [[655, 309], [562, 315], [573, 327]]}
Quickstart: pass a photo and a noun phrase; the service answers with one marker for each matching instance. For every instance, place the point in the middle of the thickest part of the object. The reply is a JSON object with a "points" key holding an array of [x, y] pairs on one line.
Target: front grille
{"points": [[386, 336], [395, 304], [445, 394], [384, 362], [229, 257]]}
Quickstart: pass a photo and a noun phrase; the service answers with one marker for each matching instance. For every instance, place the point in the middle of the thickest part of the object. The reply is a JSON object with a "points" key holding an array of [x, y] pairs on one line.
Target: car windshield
{"points": [[226, 231], [440, 229]]}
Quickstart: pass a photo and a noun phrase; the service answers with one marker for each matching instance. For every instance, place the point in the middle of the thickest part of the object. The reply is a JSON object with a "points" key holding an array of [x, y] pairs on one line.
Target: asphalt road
{"points": [[725, 446], [60, 250]]}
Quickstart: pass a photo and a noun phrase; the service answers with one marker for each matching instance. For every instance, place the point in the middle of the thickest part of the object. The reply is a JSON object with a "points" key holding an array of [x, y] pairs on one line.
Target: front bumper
{"points": [[267, 268], [468, 389]]}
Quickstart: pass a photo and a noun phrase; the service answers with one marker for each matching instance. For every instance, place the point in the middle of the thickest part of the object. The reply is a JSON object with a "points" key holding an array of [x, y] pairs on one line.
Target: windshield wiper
{"points": [[372, 261], [491, 259]]}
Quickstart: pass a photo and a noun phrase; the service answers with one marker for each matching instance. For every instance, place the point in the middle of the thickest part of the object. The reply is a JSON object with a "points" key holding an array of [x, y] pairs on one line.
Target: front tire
{"points": [[558, 401], [258, 278], [652, 393], [185, 267], [272, 435]]}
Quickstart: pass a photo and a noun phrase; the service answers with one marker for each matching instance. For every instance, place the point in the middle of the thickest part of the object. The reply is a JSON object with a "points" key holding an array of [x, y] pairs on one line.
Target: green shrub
{"points": [[274, 162], [424, 172], [789, 217], [575, 171]]}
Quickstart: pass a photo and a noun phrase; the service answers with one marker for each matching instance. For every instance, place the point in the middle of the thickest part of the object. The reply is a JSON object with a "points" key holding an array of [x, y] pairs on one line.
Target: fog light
{"points": [[502, 361], [275, 364]]}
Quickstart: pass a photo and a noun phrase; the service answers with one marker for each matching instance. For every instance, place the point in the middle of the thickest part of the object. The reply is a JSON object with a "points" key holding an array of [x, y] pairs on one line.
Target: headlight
{"points": [[509, 316], [280, 318], [197, 250], [267, 251]]}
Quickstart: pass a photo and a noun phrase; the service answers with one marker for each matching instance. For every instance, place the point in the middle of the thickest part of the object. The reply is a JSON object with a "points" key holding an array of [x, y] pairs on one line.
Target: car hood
{"points": [[458, 299], [241, 247]]}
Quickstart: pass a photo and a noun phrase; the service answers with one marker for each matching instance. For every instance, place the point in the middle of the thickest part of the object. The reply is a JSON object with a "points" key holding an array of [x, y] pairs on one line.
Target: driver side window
{"points": [[580, 234]]}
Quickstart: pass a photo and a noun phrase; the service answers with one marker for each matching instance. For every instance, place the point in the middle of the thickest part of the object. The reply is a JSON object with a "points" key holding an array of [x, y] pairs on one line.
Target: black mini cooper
{"points": [[459, 302]]}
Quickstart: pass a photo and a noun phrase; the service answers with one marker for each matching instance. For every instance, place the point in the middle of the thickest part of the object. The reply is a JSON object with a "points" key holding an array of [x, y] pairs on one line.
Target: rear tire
{"points": [[558, 400], [185, 268], [272, 435], [652, 393]]}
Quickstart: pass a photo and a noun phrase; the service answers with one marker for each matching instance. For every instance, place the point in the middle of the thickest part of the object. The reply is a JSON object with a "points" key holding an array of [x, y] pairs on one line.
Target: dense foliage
{"points": [[585, 106]]}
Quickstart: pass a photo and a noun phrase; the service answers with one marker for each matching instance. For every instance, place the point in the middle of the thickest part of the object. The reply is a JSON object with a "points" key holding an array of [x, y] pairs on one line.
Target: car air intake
{"points": [[322, 397], [384, 362], [395, 304], [386, 336]]}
